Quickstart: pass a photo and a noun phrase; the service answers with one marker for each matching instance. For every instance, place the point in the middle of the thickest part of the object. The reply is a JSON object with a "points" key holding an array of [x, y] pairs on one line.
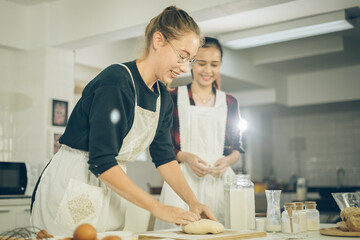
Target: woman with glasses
{"points": [[205, 133], [122, 111]]}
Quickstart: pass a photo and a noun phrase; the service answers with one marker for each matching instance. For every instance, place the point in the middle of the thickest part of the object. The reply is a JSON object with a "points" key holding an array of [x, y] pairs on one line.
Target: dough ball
{"points": [[203, 226]]}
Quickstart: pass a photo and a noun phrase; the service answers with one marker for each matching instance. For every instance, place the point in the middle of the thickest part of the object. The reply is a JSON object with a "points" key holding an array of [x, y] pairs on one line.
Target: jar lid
{"points": [[289, 205], [310, 205]]}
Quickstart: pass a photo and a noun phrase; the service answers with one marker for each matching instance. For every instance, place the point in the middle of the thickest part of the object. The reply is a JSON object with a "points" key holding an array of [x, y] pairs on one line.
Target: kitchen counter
{"points": [[11, 200], [313, 235]]}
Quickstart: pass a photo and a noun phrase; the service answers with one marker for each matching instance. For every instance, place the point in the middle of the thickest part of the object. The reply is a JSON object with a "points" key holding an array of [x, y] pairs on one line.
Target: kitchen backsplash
{"points": [[323, 147]]}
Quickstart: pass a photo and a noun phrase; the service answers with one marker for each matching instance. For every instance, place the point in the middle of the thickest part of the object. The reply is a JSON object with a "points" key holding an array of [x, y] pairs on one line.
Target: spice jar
{"points": [[312, 216], [239, 203], [302, 216], [290, 219]]}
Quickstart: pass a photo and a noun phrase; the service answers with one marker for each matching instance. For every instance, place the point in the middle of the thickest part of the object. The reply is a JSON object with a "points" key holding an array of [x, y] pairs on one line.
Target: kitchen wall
{"points": [[318, 145], [319, 142], [335, 84], [29, 83]]}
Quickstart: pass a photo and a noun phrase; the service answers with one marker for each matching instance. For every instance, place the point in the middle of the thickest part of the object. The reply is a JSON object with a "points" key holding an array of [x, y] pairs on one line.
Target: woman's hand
{"points": [[220, 167], [202, 211], [174, 214], [199, 166], [223, 163]]}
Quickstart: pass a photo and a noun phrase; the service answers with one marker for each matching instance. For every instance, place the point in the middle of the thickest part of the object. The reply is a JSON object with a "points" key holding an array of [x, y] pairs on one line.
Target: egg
{"points": [[112, 237], [85, 231]]}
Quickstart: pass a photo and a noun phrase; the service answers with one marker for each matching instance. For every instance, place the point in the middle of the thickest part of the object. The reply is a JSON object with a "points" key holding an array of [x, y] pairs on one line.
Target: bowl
{"points": [[125, 235], [347, 199]]}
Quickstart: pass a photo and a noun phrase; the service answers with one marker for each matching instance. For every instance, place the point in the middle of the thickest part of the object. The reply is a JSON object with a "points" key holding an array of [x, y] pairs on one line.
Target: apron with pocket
{"points": [[69, 194]]}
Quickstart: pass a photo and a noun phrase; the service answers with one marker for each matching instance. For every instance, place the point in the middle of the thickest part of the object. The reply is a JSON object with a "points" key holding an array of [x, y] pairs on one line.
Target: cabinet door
{"points": [[22, 216], [7, 218]]}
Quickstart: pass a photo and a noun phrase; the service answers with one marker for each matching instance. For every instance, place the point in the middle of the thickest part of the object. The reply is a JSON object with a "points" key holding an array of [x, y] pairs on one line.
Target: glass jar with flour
{"points": [[290, 219], [239, 203], [302, 216], [312, 215]]}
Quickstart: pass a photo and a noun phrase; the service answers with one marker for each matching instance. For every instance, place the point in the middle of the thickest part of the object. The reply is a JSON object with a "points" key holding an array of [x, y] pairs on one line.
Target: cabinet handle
{"points": [[27, 210], [4, 211]]}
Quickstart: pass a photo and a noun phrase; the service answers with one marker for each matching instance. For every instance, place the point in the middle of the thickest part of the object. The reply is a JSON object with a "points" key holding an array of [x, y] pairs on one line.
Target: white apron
{"points": [[68, 194], [202, 132]]}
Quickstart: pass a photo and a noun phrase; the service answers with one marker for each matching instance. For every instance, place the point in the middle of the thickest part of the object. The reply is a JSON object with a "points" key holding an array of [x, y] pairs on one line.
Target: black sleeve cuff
{"points": [[159, 163], [101, 165]]}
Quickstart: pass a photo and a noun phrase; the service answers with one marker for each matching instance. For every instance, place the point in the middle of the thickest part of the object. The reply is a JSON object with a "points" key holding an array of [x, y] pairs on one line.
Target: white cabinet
{"points": [[7, 218], [14, 213], [23, 216]]}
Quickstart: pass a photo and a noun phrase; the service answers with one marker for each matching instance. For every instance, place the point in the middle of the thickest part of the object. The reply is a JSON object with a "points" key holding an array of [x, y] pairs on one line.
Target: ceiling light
{"points": [[300, 28]]}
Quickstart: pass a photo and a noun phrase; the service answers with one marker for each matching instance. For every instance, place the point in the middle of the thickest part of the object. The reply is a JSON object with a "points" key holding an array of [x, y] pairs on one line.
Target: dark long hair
{"points": [[213, 42]]}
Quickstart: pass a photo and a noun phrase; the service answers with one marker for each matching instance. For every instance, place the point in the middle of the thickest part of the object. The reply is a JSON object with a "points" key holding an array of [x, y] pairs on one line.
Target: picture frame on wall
{"points": [[59, 113], [56, 145]]}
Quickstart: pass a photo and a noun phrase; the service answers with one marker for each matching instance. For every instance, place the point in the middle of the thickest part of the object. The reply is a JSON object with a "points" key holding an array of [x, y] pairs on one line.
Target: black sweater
{"points": [[90, 128]]}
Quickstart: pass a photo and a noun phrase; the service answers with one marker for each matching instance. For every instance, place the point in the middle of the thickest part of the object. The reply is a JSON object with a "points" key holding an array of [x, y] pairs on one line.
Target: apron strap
{"points": [[132, 79], [36, 187]]}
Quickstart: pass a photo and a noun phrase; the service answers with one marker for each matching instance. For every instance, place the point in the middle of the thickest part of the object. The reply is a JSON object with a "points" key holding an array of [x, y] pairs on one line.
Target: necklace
{"points": [[203, 100]]}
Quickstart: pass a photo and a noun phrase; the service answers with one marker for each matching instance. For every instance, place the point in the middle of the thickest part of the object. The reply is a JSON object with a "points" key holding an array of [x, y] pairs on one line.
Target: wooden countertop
{"points": [[312, 235]]}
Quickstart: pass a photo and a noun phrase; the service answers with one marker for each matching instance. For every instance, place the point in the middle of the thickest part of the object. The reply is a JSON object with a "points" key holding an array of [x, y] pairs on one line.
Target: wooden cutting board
{"points": [[179, 235], [334, 231]]}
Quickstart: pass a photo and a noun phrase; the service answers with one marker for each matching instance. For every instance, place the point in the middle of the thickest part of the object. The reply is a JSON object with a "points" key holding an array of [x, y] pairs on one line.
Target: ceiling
{"points": [[348, 56], [241, 15]]}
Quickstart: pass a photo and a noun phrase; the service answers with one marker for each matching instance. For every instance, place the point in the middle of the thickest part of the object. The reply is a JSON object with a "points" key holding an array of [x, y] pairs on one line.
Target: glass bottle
{"points": [[301, 189], [239, 203], [290, 219], [273, 216], [302, 216], [312, 216]]}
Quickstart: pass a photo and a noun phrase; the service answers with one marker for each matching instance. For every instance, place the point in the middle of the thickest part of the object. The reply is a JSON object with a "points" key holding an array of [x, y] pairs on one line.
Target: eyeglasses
{"points": [[181, 58]]}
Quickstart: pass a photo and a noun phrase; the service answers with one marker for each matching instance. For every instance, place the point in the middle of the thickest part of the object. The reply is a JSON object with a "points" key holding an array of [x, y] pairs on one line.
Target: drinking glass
{"points": [[273, 217]]}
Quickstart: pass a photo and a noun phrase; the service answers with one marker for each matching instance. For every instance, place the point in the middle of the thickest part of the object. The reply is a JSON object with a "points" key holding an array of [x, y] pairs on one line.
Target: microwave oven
{"points": [[13, 178]]}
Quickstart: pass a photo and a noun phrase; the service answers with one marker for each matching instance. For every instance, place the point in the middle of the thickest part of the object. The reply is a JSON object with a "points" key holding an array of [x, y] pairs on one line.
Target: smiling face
{"points": [[171, 52], [207, 67]]}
